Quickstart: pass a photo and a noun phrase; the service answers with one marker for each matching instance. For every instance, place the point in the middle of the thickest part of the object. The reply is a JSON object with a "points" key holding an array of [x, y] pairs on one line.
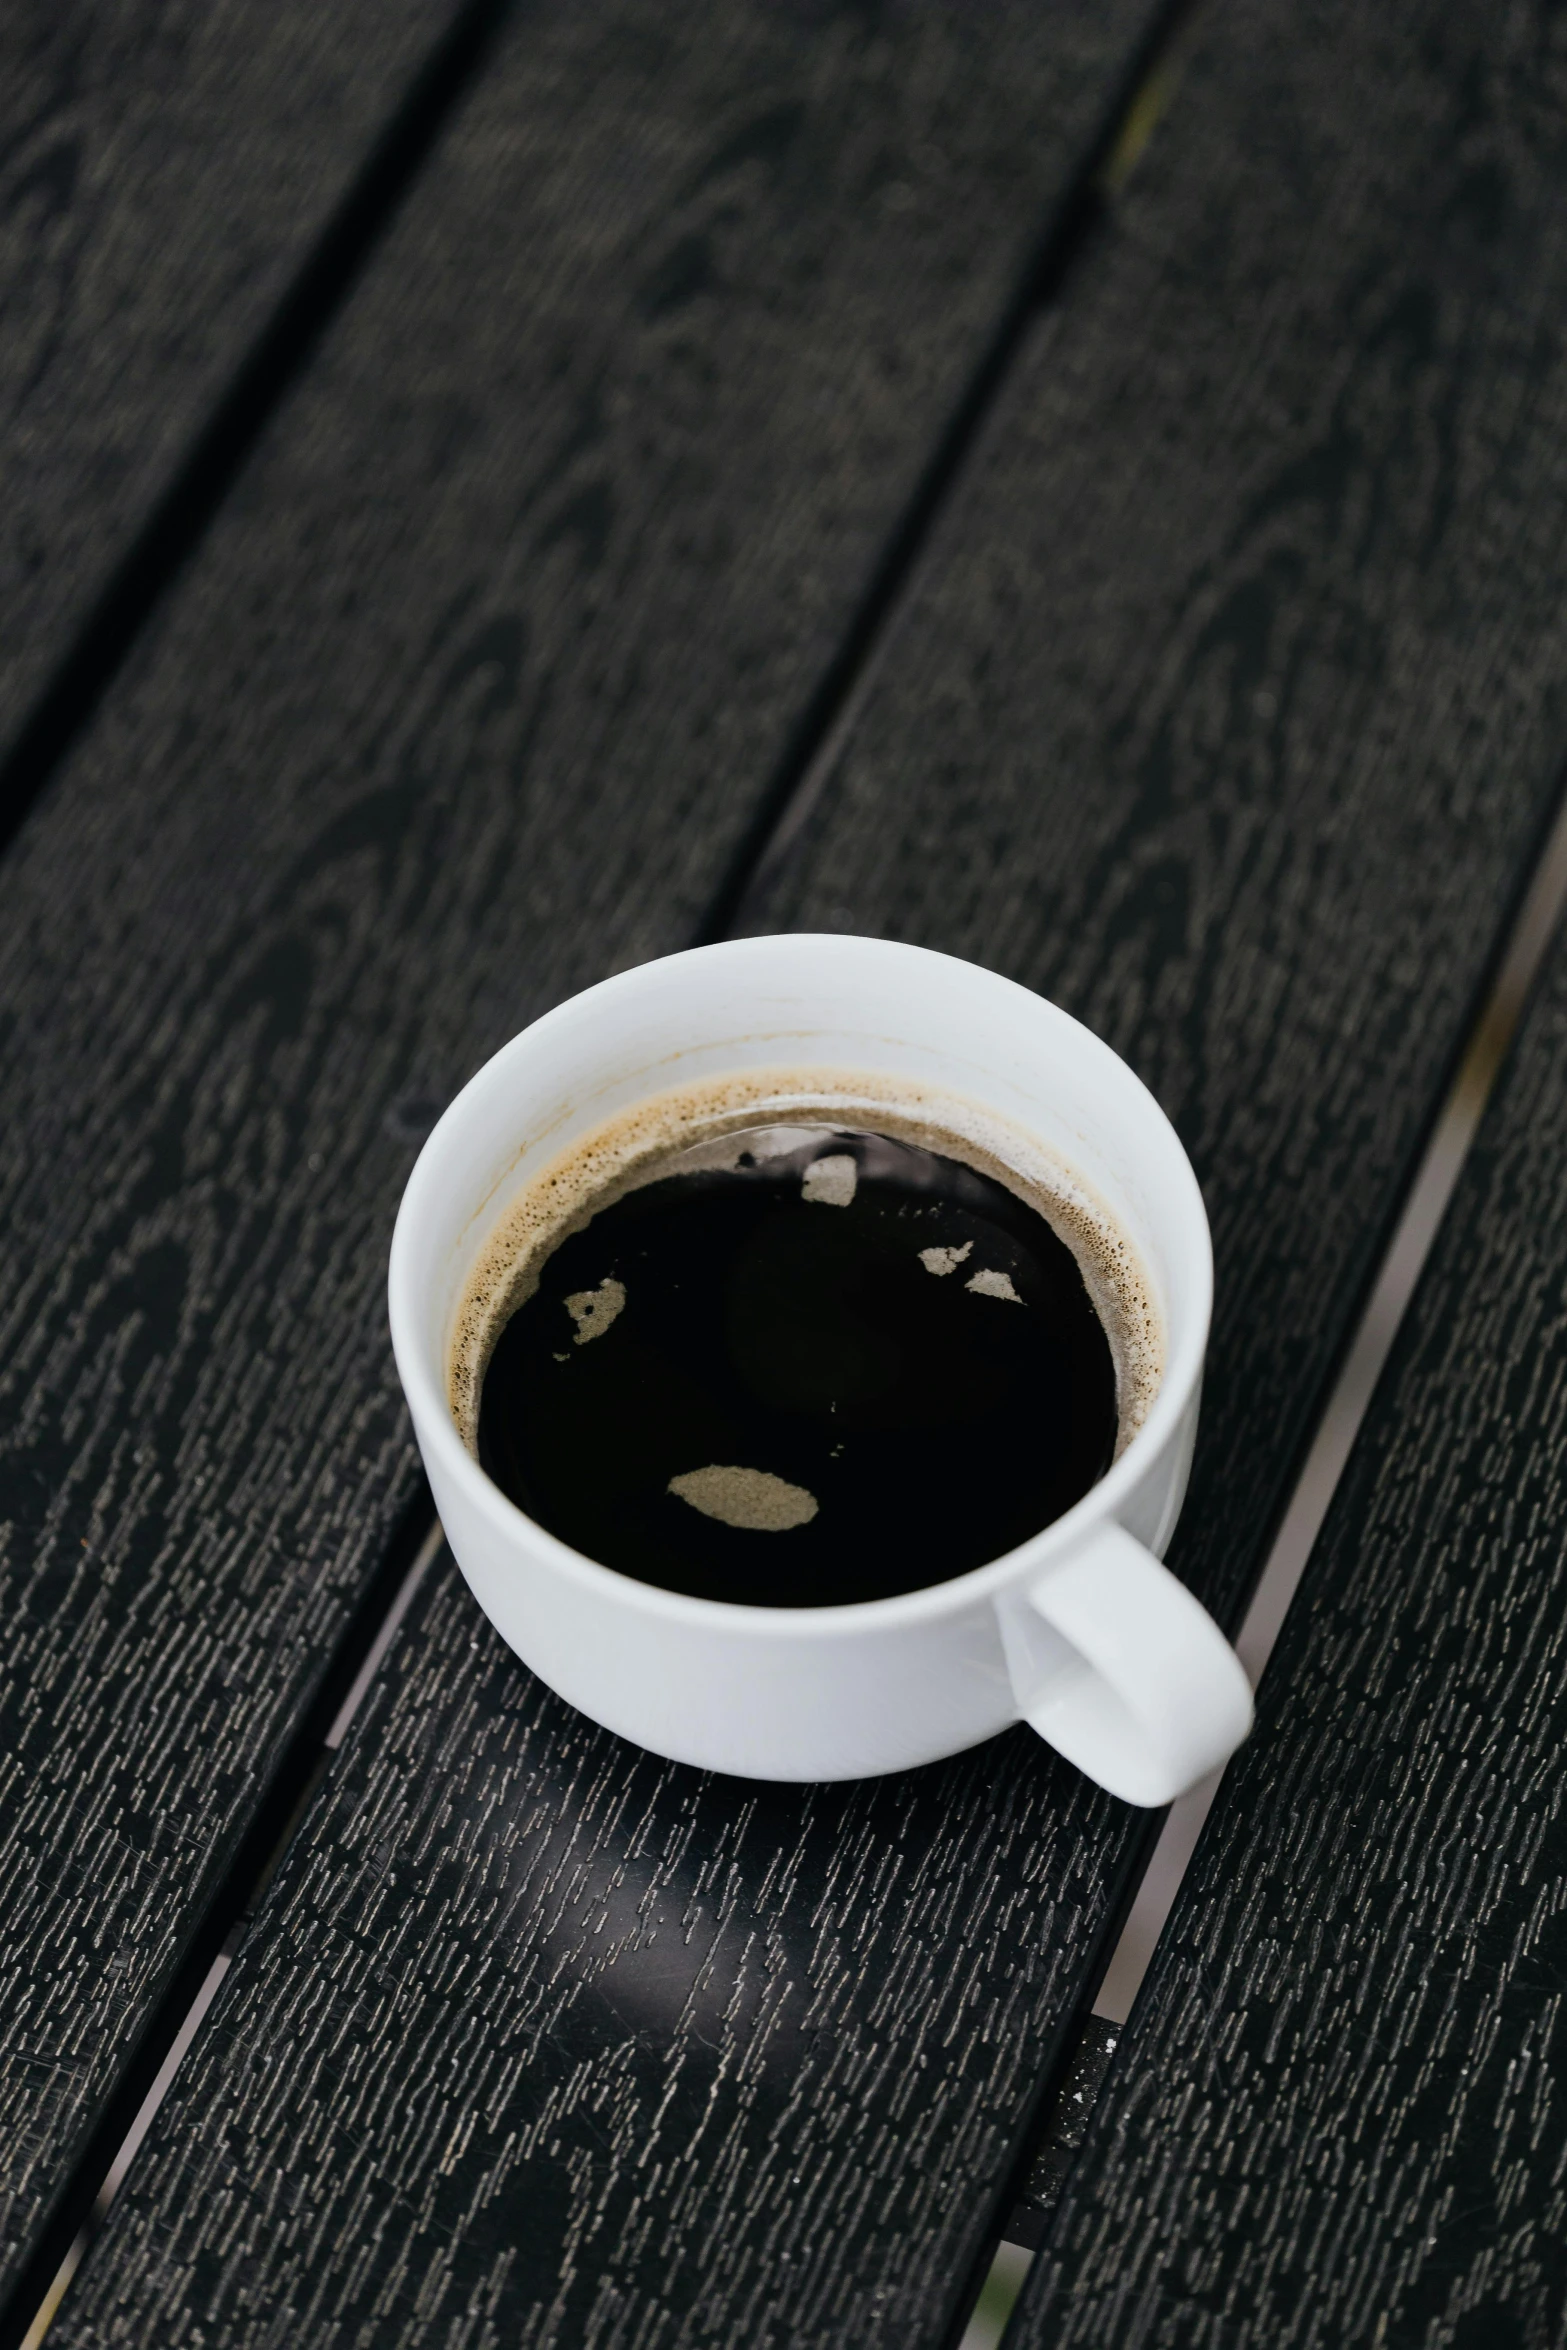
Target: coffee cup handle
{"points": [[1139, 1687]]}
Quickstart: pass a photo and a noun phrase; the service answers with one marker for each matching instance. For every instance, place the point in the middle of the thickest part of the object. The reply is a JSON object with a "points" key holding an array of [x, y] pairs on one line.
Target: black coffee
{"points": [[843, 1368]]}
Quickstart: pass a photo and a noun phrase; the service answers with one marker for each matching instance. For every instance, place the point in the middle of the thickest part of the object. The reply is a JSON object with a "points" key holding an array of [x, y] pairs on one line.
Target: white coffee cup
{"points": [[1080, 1631]]}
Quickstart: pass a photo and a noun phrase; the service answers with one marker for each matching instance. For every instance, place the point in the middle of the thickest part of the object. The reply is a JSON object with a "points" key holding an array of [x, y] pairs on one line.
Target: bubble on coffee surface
{"points": [[987, 1282], [750, 1498], [593, 1310], [830, 1182], [771, 1111]]}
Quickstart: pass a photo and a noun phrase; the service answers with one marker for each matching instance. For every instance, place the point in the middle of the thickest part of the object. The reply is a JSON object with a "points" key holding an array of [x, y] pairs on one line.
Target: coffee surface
{"points": [[829, 1367]]}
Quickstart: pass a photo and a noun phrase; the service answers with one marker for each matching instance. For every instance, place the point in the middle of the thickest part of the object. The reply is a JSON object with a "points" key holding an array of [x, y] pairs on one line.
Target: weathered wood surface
{"points": [[164, 171], [555, 2039], [480, 679], [1238, 688], [1338, 2113], [1230, 714]]}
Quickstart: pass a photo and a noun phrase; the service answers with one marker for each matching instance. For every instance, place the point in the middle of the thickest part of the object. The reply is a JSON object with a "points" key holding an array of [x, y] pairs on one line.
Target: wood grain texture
{"points": [[1229, 713], [1236, 695], [1338, 2115], [479, 680], [165, 167], [548, 2042]]}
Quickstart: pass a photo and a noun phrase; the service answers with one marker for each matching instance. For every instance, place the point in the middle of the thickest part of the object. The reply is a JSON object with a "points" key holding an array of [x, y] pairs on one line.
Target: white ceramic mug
{"points": [[1080, 1631]]}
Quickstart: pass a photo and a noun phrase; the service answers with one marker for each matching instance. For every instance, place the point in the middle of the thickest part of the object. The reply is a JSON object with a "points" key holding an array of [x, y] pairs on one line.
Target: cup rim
{"points": [[437, 1431]]}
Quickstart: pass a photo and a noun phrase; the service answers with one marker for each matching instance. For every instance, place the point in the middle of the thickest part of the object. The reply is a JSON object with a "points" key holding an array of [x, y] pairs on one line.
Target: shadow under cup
{"points": [[844, 1691]]}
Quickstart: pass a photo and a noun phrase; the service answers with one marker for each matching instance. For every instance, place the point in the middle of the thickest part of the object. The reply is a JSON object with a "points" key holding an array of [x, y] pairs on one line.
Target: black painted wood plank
{"points": [[1230, 713], [165, 170], [1236, 702], [1338, 2113], [550, 2037], [481, 678]]}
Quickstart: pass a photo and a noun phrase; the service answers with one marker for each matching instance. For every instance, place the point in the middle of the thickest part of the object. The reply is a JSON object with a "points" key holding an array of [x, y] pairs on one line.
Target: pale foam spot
{"points": [[942, 1261], [593, 1310], [830, 1182], [750, 1498], [988, 1284]]}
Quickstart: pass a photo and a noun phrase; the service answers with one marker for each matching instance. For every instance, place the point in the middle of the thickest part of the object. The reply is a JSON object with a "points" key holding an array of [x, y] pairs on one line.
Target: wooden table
{"points": [[496, 493]]}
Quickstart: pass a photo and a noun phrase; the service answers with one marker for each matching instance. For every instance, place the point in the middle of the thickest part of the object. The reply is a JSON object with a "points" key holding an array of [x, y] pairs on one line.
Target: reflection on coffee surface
{"points": [[800, 1367]]}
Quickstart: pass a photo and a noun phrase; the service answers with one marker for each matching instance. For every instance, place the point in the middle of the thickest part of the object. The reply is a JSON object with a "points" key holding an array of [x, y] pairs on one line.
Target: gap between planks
{"points": [[195, 2014], [1414, 1235], [172, 531], [808, 763]]}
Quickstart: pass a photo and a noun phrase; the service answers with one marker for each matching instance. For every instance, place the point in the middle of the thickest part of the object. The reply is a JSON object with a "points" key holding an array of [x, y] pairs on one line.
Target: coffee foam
{"points": [[693, 1123]]}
